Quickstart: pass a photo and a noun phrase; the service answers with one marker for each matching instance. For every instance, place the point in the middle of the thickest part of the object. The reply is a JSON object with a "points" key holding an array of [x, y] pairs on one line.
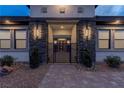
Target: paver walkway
{"points": [[67, 76]]}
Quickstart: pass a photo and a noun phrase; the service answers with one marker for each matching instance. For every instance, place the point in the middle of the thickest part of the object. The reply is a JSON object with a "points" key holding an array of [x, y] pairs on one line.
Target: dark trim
{"points": [[15, 18], [109, 18], [96, 6], [28, 6]]}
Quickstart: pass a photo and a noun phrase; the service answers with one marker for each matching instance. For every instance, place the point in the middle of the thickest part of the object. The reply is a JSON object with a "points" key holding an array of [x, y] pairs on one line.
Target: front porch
{"points": [[43, 35]]}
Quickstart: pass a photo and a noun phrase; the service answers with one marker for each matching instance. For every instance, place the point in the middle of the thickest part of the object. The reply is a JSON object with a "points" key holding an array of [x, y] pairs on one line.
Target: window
{"points": [[103, 39], [44, 9], [20, 39], [80, 10], [62, 10], [119, 39], [5, 39]]}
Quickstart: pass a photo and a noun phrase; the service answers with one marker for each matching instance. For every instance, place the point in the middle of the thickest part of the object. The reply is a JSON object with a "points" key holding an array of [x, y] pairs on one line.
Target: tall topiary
{"points": [[34, 62], [87, 58]]}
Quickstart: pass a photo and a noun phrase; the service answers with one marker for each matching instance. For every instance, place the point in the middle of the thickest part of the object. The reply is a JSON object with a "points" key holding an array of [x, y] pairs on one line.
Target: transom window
{"points": [[44, 9], [62, 10], [5, 39], [80, 10], [103, 39], [119, 39]]}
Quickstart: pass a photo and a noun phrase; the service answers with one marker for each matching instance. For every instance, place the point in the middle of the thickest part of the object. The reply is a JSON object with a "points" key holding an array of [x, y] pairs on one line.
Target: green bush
{"points": [[113, 61], [87, 58], [7, 60], [34, 62]]}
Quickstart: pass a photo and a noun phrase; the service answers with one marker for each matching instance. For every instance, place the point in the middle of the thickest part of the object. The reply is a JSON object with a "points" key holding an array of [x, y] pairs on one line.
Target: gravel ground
{"points": [[23, 77]]}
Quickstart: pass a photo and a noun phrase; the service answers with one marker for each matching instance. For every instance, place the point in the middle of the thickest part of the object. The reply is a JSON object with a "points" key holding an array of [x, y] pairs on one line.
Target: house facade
{"points": [[61, 33]]}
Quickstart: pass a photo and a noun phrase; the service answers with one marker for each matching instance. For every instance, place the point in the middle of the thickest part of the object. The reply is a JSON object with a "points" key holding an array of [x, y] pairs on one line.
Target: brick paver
{"points": [[68, 76]]}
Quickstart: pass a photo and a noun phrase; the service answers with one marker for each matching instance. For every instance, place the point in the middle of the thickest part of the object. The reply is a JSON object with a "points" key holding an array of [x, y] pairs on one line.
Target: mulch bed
{"points": [[23, 76]]}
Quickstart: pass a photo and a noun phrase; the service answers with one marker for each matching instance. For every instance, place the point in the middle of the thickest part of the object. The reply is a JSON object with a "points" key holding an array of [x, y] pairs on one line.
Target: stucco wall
{"points": [[101, 55], [70, 11], [20, 56]]}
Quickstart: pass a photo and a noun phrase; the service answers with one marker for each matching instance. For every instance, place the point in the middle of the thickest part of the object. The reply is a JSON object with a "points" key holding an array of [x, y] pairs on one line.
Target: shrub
{"points": [[87, 58], [113, 61], [7, 60], [34, 62]]}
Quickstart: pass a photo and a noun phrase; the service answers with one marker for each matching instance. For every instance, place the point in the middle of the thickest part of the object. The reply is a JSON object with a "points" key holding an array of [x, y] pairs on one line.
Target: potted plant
{"points": [[34, 62], [113, 61]]}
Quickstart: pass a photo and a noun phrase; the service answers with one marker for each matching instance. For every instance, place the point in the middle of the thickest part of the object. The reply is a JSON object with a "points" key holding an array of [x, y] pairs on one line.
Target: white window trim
{"points": [[116, 39], [12, 41], [111, 49], [7, 39], [97, 39]]}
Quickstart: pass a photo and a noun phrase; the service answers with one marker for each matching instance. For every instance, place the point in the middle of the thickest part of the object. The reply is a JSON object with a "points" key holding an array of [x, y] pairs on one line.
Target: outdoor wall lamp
{"points": [[55, 41], [68, 42], [87, 32], [37, 32]]}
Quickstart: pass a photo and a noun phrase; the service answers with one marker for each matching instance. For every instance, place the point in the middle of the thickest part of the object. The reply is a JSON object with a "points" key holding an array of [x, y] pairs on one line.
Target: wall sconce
{"points": [[37, 32], [55, 41], [87, 32], [68, 42]]}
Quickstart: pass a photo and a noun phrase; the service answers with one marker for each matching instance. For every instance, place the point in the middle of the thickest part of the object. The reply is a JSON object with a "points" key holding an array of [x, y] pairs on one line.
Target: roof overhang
{"points": [[14, 20], [116, 20]]}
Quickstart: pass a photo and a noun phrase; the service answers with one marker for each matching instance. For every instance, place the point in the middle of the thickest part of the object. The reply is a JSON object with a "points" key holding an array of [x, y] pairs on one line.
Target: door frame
{"points": [[54, 55], [64, 21]]}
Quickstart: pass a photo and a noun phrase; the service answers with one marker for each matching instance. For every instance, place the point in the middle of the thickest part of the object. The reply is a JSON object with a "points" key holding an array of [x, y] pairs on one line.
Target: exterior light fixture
{"points": [[61, 26], [55, 41], [68, 41], [117, 21], [8, 22], [87, 32], [37, 33]]}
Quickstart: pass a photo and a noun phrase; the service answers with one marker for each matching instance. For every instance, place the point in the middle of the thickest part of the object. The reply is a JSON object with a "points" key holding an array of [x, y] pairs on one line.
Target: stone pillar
{"points": [[83, 43], [38, 37]]}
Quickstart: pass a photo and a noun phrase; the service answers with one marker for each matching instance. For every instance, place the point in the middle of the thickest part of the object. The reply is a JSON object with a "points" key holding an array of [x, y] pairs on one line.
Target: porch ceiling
{"points": [[62, 26]]}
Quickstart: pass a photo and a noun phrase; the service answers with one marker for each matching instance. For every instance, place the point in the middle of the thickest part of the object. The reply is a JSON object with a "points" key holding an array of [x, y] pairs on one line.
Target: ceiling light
{"points": [[117, 21], [7, 21], [62, 27]]}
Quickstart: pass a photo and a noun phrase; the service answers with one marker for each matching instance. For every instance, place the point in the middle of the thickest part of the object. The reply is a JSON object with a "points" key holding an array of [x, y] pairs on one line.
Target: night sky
{"points": [[22, 10]]}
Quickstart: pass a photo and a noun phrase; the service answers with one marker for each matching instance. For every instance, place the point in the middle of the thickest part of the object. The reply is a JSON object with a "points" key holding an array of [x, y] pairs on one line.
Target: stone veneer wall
{"points": [[81, 42], [41, 43]]}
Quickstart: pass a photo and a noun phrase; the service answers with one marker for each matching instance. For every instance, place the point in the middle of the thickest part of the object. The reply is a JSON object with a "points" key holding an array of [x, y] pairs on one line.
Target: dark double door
{"points": [[61, 50]]}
